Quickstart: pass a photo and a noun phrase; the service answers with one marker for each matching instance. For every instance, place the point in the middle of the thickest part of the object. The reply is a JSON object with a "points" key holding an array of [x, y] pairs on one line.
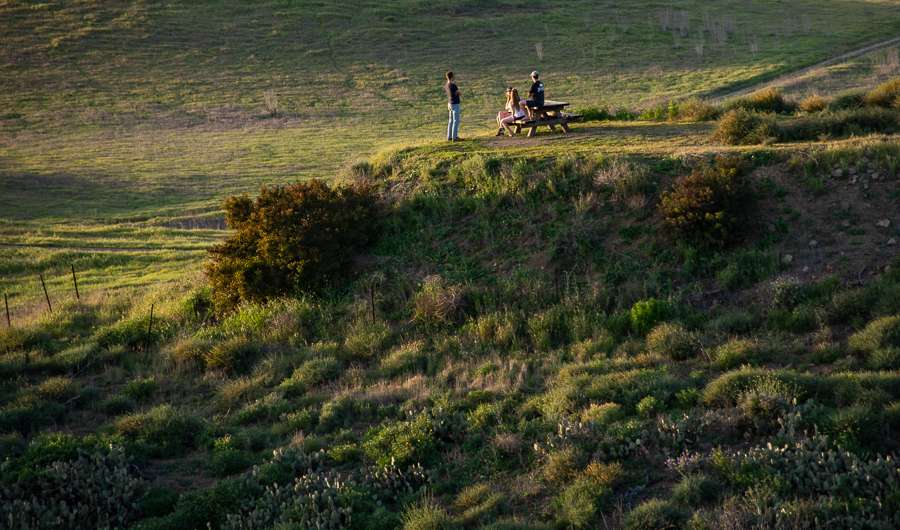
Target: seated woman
{"points": [[505, 113], [514, 111]]}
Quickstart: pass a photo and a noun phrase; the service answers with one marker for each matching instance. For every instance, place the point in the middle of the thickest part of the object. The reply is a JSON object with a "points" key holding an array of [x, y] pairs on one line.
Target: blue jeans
{"points": [[453, 123]]}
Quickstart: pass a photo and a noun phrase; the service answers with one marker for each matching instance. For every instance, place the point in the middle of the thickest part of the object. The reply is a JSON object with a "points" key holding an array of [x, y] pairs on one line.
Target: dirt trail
{"points": [[794, 75], [76, 248]]}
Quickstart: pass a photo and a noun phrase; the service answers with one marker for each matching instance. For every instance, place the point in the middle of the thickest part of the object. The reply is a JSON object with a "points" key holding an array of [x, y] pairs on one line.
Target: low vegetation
{"points": [[602, 337]]}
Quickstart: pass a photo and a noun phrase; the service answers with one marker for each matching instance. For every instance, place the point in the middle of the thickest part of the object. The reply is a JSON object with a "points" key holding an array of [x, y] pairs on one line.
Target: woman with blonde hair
{"points": [[512, 112]]}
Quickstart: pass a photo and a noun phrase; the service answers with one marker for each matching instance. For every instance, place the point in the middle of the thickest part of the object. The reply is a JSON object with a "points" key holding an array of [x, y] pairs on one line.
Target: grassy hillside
{"points": [[125, 123], [526, 346]]}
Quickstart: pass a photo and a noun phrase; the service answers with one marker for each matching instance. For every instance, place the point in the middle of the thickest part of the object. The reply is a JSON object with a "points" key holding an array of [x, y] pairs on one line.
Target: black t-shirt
{"points": [[536, 93], [452, 93]]}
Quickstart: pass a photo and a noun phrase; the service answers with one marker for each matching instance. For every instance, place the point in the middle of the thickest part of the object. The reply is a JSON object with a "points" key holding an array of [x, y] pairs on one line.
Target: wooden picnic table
{"points": [[551, 114]]}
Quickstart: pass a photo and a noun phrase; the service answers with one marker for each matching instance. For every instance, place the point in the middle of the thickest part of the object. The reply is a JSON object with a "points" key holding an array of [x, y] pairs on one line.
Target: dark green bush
{"points": [[847, 101], [92, 490], [710, 206], [747, 268], [696, 490], [401, 442], [839, 124], [293, 238], [310, 374], [161, 431], [234, 355]]}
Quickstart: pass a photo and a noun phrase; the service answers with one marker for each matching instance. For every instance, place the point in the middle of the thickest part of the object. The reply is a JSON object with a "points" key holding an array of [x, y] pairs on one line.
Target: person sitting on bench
{"points": [[535, 95], [512, 113]]}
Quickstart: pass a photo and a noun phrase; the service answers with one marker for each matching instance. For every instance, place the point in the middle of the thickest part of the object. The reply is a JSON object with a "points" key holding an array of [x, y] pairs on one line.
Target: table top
{"points": [[554, 104]]}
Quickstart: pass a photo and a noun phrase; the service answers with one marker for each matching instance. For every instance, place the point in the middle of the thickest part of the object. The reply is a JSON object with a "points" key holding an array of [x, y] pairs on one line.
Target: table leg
{"points": [[532, 131]]}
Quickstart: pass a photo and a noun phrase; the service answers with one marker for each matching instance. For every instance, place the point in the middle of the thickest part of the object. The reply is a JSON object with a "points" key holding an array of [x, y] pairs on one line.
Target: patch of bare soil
{"points": [[844, 223]]}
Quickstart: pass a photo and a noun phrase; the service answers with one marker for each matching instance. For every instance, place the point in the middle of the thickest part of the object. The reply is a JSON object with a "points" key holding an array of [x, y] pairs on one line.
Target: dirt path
{"points": [[794, 75], [101, 249]]}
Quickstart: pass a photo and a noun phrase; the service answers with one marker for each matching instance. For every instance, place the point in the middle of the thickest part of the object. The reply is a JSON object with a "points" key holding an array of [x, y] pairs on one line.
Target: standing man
{"points": [[453, 106], [535, 94]]}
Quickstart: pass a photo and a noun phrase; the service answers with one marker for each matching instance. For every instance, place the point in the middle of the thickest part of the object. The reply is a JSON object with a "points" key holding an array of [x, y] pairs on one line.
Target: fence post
{"points": [[46, 295], [6, 303], [150, 324], [75, 281]]}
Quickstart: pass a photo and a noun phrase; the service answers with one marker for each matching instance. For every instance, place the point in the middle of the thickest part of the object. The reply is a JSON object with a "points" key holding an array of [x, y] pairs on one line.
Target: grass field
{"points": [[125, 124], [659, 321]]}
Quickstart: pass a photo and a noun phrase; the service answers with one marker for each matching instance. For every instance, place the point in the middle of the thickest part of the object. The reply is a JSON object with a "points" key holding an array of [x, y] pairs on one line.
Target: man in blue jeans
{"points": [[453, 106]]}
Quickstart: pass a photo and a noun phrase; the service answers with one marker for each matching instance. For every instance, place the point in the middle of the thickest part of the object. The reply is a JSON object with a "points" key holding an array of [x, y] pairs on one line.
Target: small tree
{"points": [[709, 206], [291, 239]]}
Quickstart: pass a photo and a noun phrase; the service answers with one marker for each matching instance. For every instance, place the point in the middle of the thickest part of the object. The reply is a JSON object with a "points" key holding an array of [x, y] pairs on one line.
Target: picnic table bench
{"points": [[550, 114]]}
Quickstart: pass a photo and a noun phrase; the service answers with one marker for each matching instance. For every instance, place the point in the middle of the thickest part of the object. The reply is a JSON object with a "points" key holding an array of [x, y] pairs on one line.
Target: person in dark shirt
{"points": [[453, 106], [535, 95]]}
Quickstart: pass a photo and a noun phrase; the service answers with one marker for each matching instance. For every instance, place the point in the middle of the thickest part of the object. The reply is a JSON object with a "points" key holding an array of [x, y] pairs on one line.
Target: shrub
{"points": [[92, 490], [696, 109], [847, 100], [595, 114], [162, 430], [187, 353], [765, 100], [477, 502], [409, 357], [235, 355], [401, 442], [880, 333], [292, 238], [560, 465], [711, 205], [673, 341], [696, 490], [645, 314], [602, 414], [728, 388], [766, 400], [747, 268], [737, 352], [631, 183], [838, 124], [115, 405], [141, 389], [884, 95], [365, 339], [549, 329], [655, 514], [310, 374], [742, 127], [880, 340], [813, 103], [497, 330], [426, 515], [648, 407], [437, 302], [55, 389], [579, 502]]}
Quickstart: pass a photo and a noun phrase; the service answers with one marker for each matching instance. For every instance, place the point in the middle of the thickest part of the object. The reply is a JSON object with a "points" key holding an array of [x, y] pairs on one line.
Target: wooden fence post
{"points": [[46, 295], [75, 281], [150, 324], [6, 303]]}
